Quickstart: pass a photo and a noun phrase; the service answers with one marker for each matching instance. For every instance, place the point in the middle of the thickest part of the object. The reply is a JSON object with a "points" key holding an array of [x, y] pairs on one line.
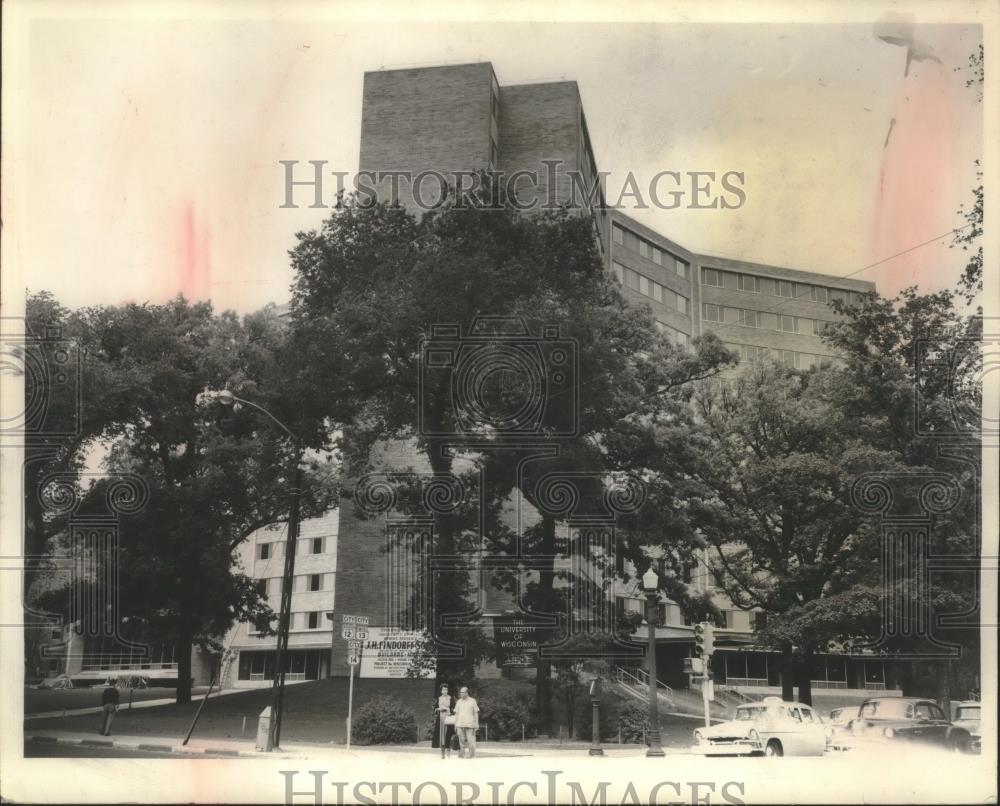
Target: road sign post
{"points": [[354, 630]]}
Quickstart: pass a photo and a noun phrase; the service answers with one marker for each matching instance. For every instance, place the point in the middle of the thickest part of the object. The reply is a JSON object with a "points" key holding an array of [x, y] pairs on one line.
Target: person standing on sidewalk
{"points": [[444, 712], [466, 722], [109, 707]]}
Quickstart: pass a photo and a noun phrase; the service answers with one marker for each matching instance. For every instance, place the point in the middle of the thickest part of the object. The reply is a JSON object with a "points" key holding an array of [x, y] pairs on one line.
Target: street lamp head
{"points": [[225, 397], [650, 581]]}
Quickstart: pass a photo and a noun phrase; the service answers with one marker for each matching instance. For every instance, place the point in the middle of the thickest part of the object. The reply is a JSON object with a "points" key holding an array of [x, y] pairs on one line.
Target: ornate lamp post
{"points": [[651, 587], [227, 398]]}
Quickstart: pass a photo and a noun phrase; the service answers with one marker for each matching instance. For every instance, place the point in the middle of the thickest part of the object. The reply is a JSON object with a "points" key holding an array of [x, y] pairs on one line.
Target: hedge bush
{"points": [[633, 719], [505, 713], [384, 720]]}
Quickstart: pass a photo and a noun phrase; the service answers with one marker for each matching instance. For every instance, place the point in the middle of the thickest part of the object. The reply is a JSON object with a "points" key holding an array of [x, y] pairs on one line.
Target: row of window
{"points": [[651, 251], [675, 335], [776, 288], [764, 320], [650, 288], [303, 583], [309, 545], [790, 358], [725, 620]]}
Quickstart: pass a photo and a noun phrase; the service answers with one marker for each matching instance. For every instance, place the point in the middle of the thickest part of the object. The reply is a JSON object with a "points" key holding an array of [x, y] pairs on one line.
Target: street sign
{"points": [[361, 634], [347, 633], [354, 660], [354, 620], [354, 646]]}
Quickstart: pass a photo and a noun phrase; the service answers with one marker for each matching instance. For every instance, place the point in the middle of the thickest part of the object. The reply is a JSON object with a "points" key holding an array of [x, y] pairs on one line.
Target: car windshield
{"points": [[749, 714], [968, 712], [887, 709]]}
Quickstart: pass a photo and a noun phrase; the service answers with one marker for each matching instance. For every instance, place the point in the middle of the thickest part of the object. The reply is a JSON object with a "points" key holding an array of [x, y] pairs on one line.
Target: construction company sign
{"points": [[390, 651]]}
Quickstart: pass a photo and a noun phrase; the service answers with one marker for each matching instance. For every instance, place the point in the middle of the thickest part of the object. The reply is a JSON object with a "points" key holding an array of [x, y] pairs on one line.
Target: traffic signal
{"points": [[709, 638], [699, 639]]}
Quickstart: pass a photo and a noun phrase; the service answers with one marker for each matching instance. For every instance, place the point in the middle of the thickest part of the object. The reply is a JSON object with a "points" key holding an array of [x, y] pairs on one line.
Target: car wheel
{"points": [[960, 744], [773, 748]]}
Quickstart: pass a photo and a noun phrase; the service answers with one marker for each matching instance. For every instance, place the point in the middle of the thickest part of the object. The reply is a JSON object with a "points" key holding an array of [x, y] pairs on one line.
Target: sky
{"points": [[150, 150]]}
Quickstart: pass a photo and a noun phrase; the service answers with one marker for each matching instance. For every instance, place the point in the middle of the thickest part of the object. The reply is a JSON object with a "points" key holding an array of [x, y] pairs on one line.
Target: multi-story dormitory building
{"points": [[460, 119]]}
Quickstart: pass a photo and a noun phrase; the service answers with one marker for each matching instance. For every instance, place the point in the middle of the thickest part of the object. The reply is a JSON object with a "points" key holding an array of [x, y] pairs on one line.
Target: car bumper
{"points": [[736, 748]]}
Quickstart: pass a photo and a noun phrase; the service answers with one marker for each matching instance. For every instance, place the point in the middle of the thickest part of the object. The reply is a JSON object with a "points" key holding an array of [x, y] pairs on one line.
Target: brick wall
{"points": [[426, 119]]}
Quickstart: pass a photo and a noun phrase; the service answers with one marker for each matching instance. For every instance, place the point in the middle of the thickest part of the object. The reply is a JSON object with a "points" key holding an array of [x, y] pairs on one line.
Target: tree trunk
{"points": [[787, 675], [546, 593], [944, 686], [803, 673], [182, 652]]}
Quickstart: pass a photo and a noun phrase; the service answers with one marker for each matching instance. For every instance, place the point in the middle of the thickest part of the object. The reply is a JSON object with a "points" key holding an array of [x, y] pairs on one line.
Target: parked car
{"points": [[770, 727], [968, 716], [907, 719]]}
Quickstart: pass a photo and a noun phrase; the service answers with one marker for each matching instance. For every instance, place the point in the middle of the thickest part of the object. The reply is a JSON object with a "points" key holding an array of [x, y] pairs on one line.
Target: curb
{"points": [[177, 749]]}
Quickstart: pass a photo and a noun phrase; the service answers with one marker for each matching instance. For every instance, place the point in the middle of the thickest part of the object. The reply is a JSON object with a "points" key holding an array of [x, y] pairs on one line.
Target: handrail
{"points": [[640, 678]]}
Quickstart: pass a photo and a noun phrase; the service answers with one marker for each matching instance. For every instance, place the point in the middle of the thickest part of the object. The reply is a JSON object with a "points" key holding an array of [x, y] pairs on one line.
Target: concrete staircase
{"points": [[672, 702]]}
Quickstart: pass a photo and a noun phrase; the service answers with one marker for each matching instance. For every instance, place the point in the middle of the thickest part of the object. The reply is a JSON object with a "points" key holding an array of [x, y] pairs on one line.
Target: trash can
{"points": [[264, 729]]}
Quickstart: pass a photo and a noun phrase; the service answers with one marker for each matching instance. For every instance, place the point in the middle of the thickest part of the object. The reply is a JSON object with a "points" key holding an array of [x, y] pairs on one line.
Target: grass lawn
{"points": [[313, 712], [40, 701]]}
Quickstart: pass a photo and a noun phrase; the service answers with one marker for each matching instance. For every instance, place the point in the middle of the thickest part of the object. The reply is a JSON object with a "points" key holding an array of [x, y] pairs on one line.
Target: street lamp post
{"points": [[651, 586], [227, 398]]}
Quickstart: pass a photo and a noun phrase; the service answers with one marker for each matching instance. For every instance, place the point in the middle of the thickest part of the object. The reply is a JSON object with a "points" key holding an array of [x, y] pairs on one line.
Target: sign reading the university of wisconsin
{"points": [[389, 652]]}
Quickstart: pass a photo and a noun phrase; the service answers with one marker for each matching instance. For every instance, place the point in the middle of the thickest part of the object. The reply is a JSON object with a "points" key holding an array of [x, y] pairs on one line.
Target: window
{"points": [[315, 582], [787, 324], [837, 294], [819, 326], [784, 288], [262, 588], [730, 280], [722, 622], [768, 321], [730, 315], [317, 545], [264, 551], [710, 277], [632, 279], [644, 287], [749, 318], [644, 250], [619, 271], [683, 305], [313, 621], [807, 714], [681, 268], [767, 286], [749, 283], [819, 294], [619, 235], [790, 358], [712, 313], [758, 620], [806, 325], [657, 256]]}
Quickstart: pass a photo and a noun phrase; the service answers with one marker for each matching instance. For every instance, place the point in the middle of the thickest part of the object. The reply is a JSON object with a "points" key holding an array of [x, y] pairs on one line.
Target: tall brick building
{"points": [[458, 120]]}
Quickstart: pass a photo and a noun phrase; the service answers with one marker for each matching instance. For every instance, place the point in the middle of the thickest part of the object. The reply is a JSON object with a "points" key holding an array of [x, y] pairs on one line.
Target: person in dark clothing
{"points": [[109, 707], [444, 728]]}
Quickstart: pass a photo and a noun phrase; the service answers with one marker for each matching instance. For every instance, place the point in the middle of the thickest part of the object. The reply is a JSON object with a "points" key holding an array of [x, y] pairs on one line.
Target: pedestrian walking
{"points": [[444, 726], [109, 707], [466, 723]]}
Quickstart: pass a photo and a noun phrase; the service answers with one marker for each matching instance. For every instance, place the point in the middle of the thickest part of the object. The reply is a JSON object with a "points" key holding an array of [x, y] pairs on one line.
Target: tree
{"points": [[373, 283], [970, 284], [213, 476], [776, 457], [913, 376]]}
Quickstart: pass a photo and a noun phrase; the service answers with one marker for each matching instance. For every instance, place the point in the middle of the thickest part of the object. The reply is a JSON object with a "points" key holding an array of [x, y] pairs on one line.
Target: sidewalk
{"points": [[308, 750]]}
